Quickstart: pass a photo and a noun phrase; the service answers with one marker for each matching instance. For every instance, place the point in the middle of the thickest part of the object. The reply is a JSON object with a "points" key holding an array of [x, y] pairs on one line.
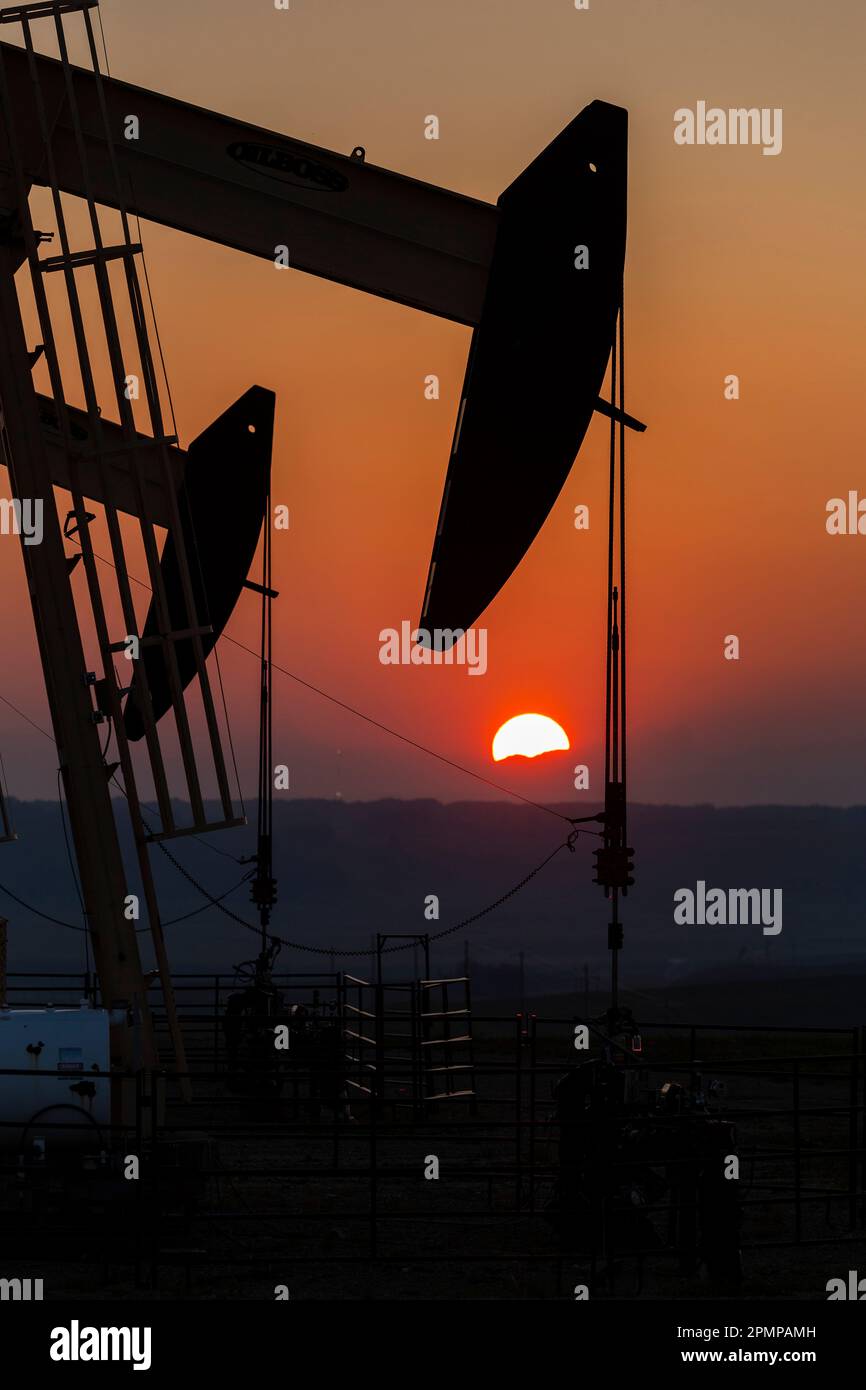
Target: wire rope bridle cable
{"points": [[614, 876]]}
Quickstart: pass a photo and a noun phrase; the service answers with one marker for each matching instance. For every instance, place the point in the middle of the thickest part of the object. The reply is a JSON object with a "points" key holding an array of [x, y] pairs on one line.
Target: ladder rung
{"points": [[78, 259], [43, 9], [360, 1036], [197, 828], [159, 637], [148, 443]]}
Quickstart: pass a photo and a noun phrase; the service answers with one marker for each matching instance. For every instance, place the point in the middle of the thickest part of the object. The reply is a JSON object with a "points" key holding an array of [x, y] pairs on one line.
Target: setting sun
{"points": [[528, 735]]}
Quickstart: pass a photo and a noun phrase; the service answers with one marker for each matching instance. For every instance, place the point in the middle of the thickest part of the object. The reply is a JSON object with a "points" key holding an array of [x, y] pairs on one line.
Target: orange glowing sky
{"points": [[736, 264]]}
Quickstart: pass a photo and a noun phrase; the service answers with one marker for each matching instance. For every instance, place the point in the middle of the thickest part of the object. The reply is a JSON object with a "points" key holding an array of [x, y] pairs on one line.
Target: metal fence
{"points": [[398, 1190]]}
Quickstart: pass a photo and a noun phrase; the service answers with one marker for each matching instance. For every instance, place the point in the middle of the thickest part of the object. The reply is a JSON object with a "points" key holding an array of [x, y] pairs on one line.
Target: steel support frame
{"points": [[86, 787]]}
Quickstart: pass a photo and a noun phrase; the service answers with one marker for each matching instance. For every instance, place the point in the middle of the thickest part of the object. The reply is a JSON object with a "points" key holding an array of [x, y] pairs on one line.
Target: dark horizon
{"points": [[348, 869]]}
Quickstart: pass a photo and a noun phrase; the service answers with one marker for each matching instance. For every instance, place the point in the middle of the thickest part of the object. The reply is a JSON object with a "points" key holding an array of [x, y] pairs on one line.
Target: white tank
{"points": [[71, 1109]]}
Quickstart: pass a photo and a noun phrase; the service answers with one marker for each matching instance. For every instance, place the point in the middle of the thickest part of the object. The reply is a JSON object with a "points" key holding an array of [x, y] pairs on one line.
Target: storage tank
{"points": [[69, 1110]]}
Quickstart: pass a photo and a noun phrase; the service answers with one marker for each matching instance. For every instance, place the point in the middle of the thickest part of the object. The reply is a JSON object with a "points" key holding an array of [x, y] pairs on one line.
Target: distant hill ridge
{"points": [[349, 869]]}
